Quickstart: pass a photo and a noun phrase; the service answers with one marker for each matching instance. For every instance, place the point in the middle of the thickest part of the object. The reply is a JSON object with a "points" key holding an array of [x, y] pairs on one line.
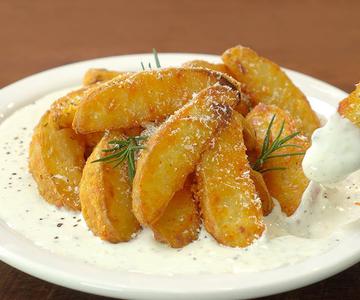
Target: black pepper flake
{"points": [[13, 173], [27, 210], [7, 153], [348, 197], [75, 225], [62, 218], [78, 220], [56, 237], [59, 224], [74, 217], [194, 258]]}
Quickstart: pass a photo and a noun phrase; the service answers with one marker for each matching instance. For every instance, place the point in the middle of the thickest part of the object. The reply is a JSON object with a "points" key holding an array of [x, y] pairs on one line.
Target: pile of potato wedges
{"points": [[195, 168]]}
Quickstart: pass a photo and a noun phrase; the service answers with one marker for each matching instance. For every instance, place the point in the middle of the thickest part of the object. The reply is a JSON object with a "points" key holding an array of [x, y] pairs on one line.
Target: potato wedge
{"points": [[286, 186], [173, 151], [99, 75], [207, 65], [350, 106], [267, 203], [265, 82], [229, 204], [105, 195], [244, 106], [56, 161], [63, 110], [145, 96], [180, 223]]}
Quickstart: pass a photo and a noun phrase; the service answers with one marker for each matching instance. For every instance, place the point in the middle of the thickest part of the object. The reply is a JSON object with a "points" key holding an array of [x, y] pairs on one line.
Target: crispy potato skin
{"points": [[180, 223], [229, 203], [99, 75], [56, 160], [145, 96], [173, 151], [267, 203], [63, 110], [244, 106], [105, 194], [265, 82], [350, 106], [206, 65], [287, 186]]}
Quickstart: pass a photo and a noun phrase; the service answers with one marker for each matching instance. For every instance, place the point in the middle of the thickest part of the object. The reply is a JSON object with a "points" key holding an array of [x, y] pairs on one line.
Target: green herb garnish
{"points": [[268, 149], [123, 150], [157, 61]]}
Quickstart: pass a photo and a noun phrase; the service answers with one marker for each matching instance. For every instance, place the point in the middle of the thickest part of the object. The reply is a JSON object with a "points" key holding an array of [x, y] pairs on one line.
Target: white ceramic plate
{"points": [[23, 254]]}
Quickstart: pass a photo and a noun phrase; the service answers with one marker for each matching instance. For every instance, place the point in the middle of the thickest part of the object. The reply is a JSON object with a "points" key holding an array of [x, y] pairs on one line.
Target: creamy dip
{"points": [[316, 227], [334, 152]]}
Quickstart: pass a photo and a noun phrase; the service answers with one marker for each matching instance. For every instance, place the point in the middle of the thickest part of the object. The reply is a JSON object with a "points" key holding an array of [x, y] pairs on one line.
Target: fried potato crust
{"points": [[99, 75], [266, 83], [63, 110], [243, 107], [229, 203], [173, 151], [105, 195], [145, 96], [180, 223], [286, 186], [350, 106], [267, 203], [56, 160], [207, 65]]}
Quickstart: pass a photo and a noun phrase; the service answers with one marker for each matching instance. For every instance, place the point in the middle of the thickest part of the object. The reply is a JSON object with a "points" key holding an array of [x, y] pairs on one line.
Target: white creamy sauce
{"points": [[317, 226], [334, 152]]}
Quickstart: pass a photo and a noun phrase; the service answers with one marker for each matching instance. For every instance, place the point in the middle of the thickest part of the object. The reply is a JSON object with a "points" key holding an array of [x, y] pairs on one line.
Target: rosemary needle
{"points": [[157, 61], [121, 151], [268, 149]]}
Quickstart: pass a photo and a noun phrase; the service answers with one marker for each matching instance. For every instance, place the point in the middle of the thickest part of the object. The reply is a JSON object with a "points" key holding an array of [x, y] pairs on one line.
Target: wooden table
{"points": [[319, 38]]}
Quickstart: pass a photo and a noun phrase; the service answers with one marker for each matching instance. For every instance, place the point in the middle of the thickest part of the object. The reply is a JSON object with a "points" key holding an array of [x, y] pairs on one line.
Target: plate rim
{"points": [[11, 257]]}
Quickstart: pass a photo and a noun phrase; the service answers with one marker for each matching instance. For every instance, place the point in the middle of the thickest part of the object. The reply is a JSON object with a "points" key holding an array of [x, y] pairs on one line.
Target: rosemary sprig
{"points": [[157, 61], [268, 149], [123, 150]]}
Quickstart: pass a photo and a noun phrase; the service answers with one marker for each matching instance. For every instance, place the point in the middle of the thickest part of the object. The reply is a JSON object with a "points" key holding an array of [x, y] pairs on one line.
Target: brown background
{"points": [[320, 38]]}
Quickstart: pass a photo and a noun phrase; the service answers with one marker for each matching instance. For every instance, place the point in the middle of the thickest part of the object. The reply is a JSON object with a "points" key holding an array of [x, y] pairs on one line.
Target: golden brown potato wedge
{"points": [[228, 200], [99, 75], [92, 139], [350, 106], [244, 106], [173, 151], [56, 162], [105, 194], [267, 203], [265, 82], [63, 110], [286, 186], [145, 96], [180, 223], [207, 65]]}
